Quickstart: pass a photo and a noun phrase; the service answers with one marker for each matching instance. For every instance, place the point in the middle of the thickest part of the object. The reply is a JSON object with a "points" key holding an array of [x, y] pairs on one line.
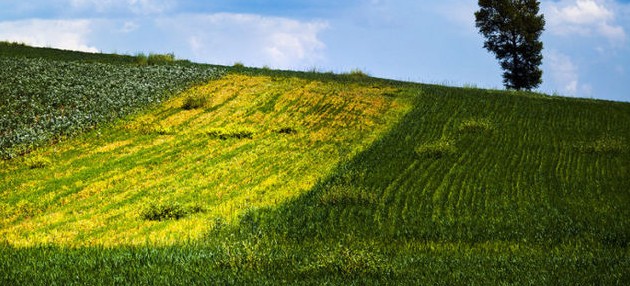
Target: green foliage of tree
{"points": [[512, 29]]}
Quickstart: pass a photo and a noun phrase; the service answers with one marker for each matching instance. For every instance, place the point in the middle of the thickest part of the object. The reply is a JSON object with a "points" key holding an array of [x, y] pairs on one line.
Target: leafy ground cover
{"points": [[43, 99], [277, 177]]}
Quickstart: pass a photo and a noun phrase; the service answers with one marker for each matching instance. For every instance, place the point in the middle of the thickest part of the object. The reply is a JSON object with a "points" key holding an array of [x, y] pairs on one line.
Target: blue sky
{"points": [[587, 42]]}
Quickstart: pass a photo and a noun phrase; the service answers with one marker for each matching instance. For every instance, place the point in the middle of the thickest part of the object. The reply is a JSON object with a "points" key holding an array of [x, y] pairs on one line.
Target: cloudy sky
{"points": [[587, 42]]}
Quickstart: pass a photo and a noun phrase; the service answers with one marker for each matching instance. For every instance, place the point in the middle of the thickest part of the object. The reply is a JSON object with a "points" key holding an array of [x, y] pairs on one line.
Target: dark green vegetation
{"points": [[168, 211], [465, 187], [8, 49]]}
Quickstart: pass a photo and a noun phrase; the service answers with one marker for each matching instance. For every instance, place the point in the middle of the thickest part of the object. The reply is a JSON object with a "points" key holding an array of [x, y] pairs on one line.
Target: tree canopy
{"points": [[512, 29]]}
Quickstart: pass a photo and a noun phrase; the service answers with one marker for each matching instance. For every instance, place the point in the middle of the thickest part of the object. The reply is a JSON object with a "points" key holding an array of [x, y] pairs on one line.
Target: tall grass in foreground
{"points": [[262, 261]]}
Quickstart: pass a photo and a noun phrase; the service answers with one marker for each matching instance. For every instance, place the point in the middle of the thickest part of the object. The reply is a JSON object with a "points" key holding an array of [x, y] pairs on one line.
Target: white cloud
{"points": [[565, 74], [615, 33], [585, 18], [63, 34], [255, 40], [221, 38], [583, 12]]}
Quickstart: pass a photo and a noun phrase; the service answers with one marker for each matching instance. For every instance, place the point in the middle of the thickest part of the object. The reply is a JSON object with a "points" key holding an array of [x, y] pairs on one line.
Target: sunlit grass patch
{"points": [[112, 146], [161, 130], [476, 125], [437, 149], [604, 145]]}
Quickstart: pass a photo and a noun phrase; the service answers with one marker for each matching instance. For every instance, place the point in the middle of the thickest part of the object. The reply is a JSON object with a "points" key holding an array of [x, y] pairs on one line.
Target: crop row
{"points": [[42, 100]]}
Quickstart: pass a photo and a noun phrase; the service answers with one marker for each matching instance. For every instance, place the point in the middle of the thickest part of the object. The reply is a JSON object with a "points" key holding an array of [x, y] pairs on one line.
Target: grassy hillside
{"points": [[248, 142], [272, 177]]}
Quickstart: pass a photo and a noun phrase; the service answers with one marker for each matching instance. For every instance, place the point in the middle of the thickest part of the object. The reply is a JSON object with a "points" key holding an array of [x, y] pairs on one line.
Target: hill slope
{"points": [[267, 176], [250, 142]]}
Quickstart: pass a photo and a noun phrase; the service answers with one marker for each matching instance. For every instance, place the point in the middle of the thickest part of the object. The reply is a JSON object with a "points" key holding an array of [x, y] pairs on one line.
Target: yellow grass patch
{"points": [[112, 146], [96, 189]]}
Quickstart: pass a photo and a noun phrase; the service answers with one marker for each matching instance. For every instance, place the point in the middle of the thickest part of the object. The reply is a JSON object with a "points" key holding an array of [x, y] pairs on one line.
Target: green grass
{"points": [[524, 183], [340, 180], [166, 211], [194, 101], [437, 149]]}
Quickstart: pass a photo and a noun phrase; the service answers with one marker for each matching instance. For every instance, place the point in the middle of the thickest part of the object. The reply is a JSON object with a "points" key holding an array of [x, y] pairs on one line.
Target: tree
{"points": [[512, 29]]}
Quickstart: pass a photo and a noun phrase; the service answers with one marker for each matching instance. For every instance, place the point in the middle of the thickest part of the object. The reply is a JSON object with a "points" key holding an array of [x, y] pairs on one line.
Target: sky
{"points": [[586, 42]]}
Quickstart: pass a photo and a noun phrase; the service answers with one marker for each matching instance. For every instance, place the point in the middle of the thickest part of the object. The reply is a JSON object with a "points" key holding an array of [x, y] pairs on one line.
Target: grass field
{"points": [[93, 190], [279, 177]]}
